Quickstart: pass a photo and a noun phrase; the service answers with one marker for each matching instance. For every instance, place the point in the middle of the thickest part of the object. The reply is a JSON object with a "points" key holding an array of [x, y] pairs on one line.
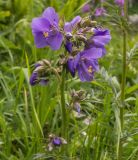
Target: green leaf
{"points": [[132, 89]]}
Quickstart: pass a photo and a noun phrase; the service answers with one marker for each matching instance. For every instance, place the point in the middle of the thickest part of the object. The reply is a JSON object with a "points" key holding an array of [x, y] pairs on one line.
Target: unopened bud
{"points": [[86, 22], [39, 69], [75, 51], [43, 62], [46, 62], [68, 35], [81, 38]]}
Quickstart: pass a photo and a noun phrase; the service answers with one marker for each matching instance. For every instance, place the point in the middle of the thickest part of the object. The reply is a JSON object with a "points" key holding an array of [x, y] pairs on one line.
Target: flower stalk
{"points": [[63, 105], [123, 84]]}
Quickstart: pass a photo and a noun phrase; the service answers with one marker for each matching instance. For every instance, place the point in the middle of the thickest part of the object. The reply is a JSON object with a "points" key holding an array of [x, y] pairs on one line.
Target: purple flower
{"points": [[85, 63], [99, 12], [46, 31], [120, 3], [86, 8], [99, 39], [56, 141], [86, 66]]}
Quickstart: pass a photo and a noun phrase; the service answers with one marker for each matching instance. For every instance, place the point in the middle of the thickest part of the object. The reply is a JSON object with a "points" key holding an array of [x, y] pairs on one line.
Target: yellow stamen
{"points": [[90, 69], [45, 34]]}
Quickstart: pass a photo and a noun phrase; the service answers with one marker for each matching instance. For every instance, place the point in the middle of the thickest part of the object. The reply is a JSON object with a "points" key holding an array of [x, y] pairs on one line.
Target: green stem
{"points": [[120, 152], [63, 106], [122, 95]]}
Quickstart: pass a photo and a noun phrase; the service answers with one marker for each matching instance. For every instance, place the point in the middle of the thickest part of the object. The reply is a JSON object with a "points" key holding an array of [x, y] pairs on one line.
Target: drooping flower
{"points": [[100, 12], [38, 76], [33, 79], [101, 36], [99, 39], [46, 30], [120, 3]]}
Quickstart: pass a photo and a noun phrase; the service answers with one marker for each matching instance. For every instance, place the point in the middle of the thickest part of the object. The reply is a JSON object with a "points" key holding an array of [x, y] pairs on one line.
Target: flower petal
{"points": [[40, 40], [55, 41], [40, 25], [51, 15], [70, 25], [56, 141], [83, 74], [86, 69], [100, 12], [76, 60], [92, 53], [101, 37]]}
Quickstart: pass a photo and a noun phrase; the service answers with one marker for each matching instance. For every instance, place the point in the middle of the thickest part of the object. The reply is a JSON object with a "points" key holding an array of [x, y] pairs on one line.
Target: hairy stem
{"points": [[63, 105], [120, 152], [122, 95]]}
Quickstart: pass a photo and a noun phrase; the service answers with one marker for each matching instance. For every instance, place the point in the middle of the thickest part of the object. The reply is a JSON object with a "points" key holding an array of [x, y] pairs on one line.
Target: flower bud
{"points": [[40, 73], [68, 35], [43, 62], [80, 38], [87, 22], [55, 141]]}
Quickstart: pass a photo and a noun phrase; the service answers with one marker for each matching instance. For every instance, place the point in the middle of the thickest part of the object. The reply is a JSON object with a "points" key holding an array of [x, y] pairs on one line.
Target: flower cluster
{"points": [[84, 42], [92, 40]]}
